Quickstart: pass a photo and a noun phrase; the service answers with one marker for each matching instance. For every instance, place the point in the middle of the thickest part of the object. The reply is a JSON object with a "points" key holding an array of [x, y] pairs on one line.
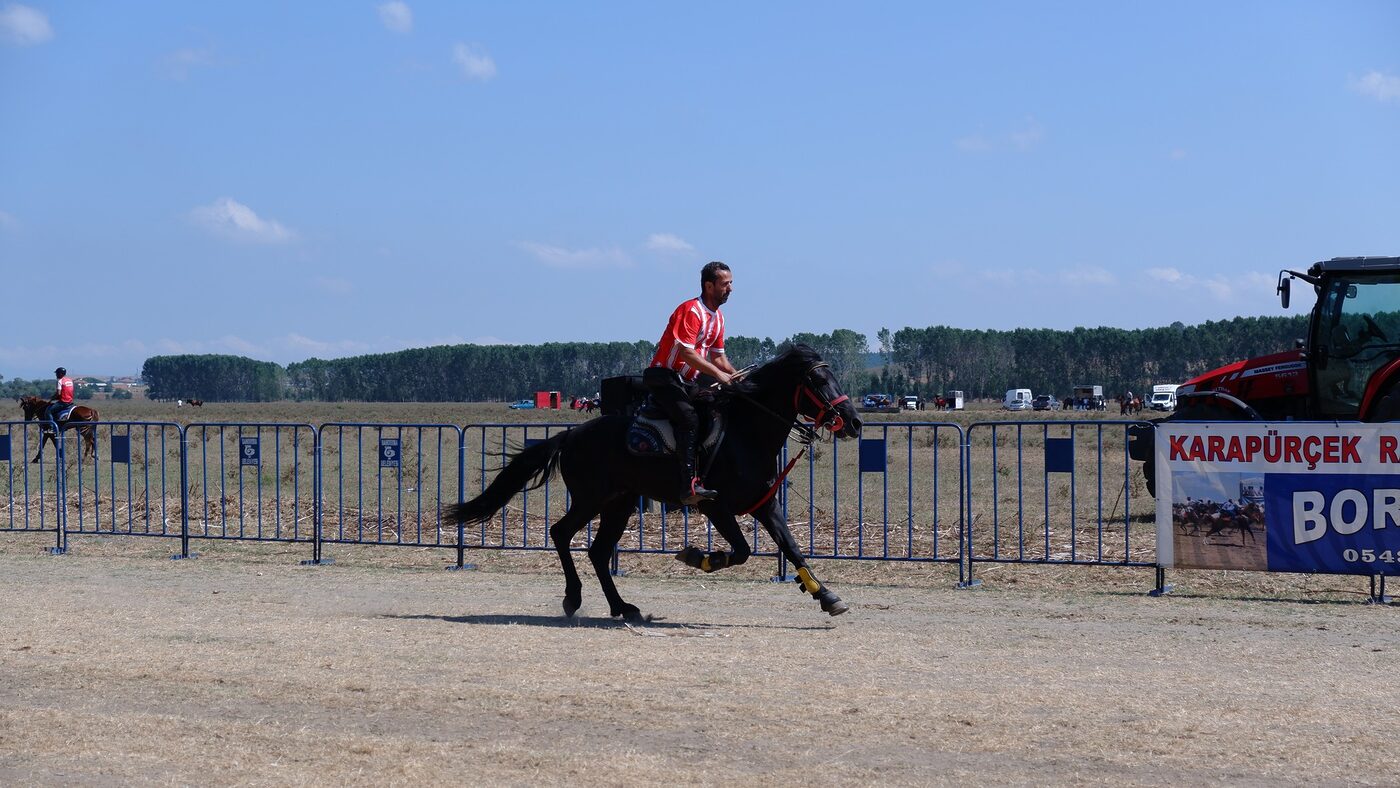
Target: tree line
{"points": [[925, 361]]}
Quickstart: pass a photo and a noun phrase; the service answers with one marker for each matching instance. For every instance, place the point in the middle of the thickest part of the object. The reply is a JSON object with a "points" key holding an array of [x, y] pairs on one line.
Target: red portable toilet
{"points": [[547, 399]]}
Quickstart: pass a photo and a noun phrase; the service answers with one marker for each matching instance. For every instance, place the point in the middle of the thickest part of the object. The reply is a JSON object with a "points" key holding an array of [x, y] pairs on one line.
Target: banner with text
{"points": [[1279, 497]]}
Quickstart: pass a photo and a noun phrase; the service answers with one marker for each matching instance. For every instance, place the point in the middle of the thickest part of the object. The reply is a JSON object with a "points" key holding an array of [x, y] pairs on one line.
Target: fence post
{"points": [[317, 559], [965, 538], [60, 491], [184, 496]]}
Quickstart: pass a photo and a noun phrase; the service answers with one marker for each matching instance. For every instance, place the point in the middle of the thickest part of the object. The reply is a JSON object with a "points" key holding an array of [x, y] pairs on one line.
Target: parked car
{"points": [[1045, 402], [522, 404], [1017, 399], [911, 402]]}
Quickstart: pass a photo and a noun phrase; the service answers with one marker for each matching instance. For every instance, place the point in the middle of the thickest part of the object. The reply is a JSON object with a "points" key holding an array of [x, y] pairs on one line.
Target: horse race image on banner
{"points": [[1279, 497]]}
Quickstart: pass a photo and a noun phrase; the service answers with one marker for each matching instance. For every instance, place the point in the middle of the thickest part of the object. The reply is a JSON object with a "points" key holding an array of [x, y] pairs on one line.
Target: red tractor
{"points": [[1347, 367]]}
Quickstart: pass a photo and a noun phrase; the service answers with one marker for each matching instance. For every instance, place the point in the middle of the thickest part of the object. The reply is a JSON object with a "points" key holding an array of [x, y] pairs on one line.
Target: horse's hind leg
{"points": [[612, 522], [562, 532]]}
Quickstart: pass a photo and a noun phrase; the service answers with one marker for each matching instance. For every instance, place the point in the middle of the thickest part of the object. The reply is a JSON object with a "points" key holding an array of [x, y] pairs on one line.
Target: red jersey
{"points": [[65, 390], [695, 326]]}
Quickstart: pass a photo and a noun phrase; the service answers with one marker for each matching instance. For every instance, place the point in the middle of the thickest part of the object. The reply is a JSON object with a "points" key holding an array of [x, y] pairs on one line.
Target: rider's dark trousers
{"points": [[674, 396]]}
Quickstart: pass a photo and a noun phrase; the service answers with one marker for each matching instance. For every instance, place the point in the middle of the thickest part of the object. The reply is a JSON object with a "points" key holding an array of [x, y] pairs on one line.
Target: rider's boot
{"points": [[693, 490]]}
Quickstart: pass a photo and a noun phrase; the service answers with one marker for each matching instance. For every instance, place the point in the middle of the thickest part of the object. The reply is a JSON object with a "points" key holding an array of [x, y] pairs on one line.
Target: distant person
{"points": [[62, 396], [692, 345]]}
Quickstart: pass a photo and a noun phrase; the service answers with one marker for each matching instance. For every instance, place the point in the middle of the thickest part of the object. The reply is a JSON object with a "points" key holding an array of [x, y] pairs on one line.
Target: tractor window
{"points": [[1360, 328]]}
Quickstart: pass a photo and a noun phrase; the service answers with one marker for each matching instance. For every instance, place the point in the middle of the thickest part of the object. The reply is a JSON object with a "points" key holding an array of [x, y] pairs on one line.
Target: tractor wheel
{"points": [[1388, 409]]}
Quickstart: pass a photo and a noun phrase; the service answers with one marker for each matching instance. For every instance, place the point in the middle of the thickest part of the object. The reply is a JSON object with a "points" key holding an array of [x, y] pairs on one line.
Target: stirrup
{"points": [[698, 492]]}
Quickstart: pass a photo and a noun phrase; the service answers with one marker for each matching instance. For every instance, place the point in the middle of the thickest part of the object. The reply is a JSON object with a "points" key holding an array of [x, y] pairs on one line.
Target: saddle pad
{"points": [[654, 437]]}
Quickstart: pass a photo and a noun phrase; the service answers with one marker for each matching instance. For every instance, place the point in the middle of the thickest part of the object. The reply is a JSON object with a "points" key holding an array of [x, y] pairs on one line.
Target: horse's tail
{"points": [[527, 469]]}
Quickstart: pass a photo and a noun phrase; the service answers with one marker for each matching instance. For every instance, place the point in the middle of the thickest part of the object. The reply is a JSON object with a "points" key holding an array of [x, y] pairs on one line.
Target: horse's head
{"points": [[32, 406], [819, 396]]}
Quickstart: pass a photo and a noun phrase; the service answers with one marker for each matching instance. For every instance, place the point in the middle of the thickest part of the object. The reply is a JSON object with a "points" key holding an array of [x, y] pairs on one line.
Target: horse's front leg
{"points": [[777, 527], [46, 436], [716, 560], [562, 533]]}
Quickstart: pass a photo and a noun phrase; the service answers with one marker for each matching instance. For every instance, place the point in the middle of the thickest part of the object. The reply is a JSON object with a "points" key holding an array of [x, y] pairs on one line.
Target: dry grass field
{"points": [[243, 667]]}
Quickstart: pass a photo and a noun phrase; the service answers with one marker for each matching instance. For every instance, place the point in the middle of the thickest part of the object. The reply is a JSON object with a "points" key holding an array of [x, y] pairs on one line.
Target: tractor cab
{"points": [[1342, 369], [1353, 337], [1346, 368]]}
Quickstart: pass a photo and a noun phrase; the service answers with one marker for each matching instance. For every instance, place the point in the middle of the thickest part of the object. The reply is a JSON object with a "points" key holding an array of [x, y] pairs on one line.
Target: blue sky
{"points": [[289, 180]]}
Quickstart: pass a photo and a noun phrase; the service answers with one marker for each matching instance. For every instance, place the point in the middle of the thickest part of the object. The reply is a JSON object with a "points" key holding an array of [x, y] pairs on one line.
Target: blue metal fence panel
{"points": [[252, 481], [1061, 492], [898, 499], [30, 491], [388, 483], [524, 523], [129, 485]]}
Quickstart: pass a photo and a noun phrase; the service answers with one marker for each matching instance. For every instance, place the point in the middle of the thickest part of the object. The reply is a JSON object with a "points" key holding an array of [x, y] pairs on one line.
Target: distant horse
{"points": [[604, 480], [34, 409], [195, 403], [1129, 405]]}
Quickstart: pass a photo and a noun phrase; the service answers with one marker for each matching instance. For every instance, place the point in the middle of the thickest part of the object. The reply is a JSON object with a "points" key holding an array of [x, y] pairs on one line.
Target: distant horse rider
{"points": [[62, 396], [693, 344]]}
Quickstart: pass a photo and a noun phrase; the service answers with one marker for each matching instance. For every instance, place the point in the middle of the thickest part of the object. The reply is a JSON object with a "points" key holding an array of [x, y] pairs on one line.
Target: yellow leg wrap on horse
{"points": [[809, 583]]}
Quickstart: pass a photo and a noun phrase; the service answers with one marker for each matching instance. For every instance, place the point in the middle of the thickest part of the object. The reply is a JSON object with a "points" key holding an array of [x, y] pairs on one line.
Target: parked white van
{"points": [[1017, 399], [1163, 397]]}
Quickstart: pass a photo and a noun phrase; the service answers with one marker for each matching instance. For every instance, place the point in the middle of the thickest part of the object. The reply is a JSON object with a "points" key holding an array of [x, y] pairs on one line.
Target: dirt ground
{"points": [[243, 668]]}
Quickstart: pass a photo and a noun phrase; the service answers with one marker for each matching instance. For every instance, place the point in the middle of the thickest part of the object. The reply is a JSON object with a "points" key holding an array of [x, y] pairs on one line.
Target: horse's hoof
{"points": [[831, 603], [691, 556], [628, 613], [571, 606]]}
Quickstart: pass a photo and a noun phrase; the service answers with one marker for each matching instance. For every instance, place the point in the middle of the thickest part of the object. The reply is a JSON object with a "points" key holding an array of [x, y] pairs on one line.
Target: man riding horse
{"points": [[62, 397], [692, 345]]}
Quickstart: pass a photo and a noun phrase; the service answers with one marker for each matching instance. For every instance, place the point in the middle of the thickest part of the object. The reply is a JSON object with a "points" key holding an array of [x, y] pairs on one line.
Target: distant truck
{"points": [[911, 402], [1017, 399], [1163, 397], [878, 403], [1088, 398]]}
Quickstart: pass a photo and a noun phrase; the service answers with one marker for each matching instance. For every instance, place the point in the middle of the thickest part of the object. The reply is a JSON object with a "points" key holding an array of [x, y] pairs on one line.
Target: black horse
{"points": [[604, 480]]}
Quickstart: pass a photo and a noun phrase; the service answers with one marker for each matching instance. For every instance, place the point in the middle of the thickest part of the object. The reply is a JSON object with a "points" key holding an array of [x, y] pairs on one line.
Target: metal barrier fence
{"points": [[1060, 492], [1001, 492], [252, 482], [385, 484]]}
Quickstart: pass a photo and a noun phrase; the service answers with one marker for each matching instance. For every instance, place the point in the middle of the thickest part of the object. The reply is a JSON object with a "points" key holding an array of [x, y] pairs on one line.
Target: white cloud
{"points": [[1382, 87], [1168, 275], [396, 16], [974, 144], [179, 64], [1028, 136], [232, 219], [22, 25], [1089, 275], [1023, 139], [559, 257], [1235, 287], [7, 221], [1176, 154], [474, 61], [666, 242]]}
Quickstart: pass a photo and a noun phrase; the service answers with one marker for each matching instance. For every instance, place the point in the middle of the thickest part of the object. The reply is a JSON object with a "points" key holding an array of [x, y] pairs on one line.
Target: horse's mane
{"points": [[796, 359]]}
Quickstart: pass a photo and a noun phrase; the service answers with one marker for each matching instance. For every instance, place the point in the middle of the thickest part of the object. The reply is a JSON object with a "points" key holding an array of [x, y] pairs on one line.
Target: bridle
{"points": [[827, 415]]}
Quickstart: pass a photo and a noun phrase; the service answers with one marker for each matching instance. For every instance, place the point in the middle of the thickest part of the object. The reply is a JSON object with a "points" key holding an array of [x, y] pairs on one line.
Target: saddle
{"points": [[61, 415], [650, 433]]}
